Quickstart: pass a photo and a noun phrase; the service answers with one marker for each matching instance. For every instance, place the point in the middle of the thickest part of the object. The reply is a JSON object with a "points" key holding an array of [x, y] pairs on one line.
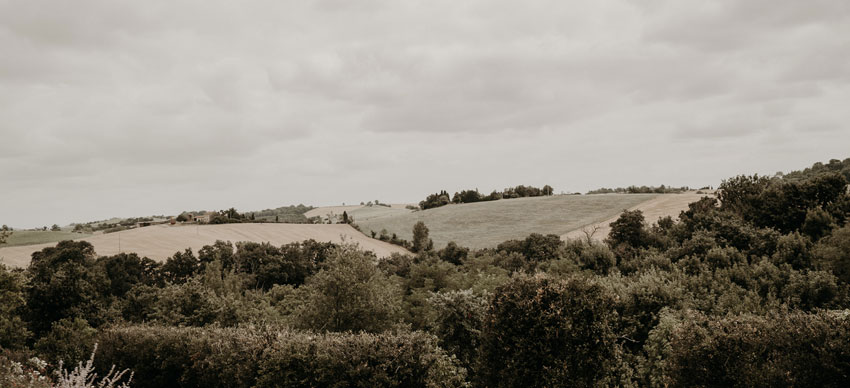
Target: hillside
{"points": [[486, 224], [33, 237], [658, 207], [161, 241]]}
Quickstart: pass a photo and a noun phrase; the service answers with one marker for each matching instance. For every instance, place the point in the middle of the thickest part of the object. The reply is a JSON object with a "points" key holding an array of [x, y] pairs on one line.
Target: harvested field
{"points": [[161, 241], [658, 207], [486, 224]]}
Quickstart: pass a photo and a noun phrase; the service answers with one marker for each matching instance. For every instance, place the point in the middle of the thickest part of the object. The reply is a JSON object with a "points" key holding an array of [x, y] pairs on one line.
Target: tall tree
{"points": [[349, 294], [421, 242]]}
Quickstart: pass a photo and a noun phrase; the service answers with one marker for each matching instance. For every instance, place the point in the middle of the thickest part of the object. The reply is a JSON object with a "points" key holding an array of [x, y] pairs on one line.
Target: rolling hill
{"points": [[486, 224], [158, 242]]}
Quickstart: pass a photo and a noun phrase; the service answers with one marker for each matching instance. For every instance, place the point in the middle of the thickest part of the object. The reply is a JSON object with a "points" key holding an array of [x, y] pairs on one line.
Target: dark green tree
{"points": [[541, 332], [180, 267], [63, 284], [349, 294], [421, 241], [628, 230]]}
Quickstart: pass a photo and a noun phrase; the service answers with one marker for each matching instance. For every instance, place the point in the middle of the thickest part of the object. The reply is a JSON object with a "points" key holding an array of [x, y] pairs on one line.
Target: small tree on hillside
{"points": [[55, 228], [628, 229], [421, 241], [5, 232]]}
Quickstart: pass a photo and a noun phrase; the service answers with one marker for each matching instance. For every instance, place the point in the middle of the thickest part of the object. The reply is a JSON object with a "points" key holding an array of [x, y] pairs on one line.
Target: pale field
{"points": [[658, 207], [486, 224], [159, 242]]}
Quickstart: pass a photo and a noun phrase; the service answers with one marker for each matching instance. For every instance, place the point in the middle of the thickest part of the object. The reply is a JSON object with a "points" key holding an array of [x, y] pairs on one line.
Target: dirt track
{"points": [[658, 207], [161, 241]]}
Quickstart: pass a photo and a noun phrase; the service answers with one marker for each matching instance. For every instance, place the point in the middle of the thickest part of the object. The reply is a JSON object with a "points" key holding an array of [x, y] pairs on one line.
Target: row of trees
{"points": [[641, 190], [470, 196]]}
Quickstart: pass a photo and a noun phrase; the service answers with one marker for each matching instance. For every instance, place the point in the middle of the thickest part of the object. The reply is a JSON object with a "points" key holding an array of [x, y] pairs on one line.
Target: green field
{"points": [[30, 237], [486, 224]]}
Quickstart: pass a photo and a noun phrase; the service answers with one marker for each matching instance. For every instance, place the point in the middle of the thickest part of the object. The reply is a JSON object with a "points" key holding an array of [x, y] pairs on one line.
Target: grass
{"points": [[30, 237], [486, 224]]}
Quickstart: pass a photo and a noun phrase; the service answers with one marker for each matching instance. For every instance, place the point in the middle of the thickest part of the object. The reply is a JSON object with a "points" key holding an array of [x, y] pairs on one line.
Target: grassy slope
{"points": [[28, 237], [486, 224]]}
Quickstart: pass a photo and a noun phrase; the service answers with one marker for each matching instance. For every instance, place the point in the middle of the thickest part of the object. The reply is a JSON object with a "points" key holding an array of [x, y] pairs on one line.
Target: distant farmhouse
{"points": [[201, 218]]}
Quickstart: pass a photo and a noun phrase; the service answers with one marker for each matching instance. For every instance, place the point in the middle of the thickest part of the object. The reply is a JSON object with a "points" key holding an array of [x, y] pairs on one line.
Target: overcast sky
{"points": [[131, 108]]}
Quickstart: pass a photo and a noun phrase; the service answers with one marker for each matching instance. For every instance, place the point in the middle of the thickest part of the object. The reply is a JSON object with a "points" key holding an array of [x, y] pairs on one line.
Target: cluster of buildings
{"points": [[189, 218]]}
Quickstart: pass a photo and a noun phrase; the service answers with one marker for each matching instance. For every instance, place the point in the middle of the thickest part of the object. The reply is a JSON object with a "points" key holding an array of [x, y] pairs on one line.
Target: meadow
{"points": [[34, 237], [486, 224]]}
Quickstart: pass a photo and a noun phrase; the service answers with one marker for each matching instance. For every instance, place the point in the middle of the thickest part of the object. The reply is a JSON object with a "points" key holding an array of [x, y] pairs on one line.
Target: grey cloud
{"points": [[158, 102]]}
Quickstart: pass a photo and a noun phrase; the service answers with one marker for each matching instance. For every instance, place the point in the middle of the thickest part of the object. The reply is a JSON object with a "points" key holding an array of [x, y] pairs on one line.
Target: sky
{"points": [[134, 108]]}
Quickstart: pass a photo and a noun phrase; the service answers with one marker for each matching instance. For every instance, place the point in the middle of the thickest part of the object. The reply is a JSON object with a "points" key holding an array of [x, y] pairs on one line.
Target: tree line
{"points": [[470, 196], [641, 190]]}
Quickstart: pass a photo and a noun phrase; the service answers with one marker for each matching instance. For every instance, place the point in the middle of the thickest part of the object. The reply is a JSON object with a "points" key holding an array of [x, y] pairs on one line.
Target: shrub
{"points": [[778, 350], [833, 253], [29, 374], [267, 357], [540, 332], [459, 317], [358, 360], [350, 293], [69, 340], [13, 330], [453, 253]]}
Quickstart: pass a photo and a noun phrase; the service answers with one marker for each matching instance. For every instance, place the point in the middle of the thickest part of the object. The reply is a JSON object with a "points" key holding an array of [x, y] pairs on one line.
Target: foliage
{"points": [[541, 332], [780, 349], [68, 340], [264, 356], [458, 321], [29, 374], [435, 200], [421, 242], [349, 293], [62, 284], [641, 190], [628, 230], [453, 253], [5, 232], [13, 329], [528, 253], [833, 253], [84, 376]]}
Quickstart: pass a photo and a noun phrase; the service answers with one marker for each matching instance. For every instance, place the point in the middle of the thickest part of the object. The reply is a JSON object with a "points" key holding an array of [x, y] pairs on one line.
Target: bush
{"points": [[459, 317], [13, 329], [68, 341], [350, 293], [267, 357], [778, 350], [833, 253], [540, 332], [358, 360]]}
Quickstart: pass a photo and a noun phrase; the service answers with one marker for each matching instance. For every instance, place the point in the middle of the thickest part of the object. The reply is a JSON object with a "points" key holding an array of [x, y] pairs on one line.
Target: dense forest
{"points": [[751, 289]]}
